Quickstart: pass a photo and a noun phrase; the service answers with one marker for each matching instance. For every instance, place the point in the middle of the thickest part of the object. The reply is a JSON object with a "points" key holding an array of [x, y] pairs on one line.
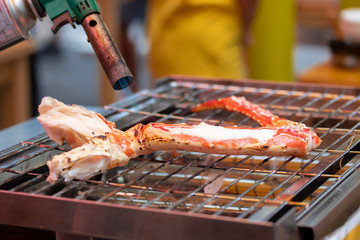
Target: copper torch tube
{"points": [[107, 52]]}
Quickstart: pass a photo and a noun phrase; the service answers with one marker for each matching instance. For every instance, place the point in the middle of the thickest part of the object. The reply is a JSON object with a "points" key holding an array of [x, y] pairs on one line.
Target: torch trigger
{"points": [[60, 21]]}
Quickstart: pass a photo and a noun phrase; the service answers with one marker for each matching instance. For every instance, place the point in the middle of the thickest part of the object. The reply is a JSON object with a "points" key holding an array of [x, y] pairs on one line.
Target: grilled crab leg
{"points": [[239, 104], [109, 147], [265, 118]]}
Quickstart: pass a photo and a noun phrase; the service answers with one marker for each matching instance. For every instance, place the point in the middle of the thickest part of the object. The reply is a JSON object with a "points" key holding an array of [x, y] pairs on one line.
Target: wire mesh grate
{"points": [[234, 186]]}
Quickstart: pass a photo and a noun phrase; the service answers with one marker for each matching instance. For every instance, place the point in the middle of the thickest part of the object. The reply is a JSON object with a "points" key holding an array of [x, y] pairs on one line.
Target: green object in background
{"points": [[271, 53], [77, 9]]}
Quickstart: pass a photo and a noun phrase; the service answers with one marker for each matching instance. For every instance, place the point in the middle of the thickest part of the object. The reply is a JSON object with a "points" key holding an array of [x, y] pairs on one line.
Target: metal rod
{"points": [[281, 172], [295, 93], [160, 180], [186, 180], [139, 178], [121, 186], [224, 188]]}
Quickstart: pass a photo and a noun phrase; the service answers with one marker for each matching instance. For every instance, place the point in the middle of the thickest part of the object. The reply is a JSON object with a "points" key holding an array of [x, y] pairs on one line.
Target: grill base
{"points": [[111, 221]]}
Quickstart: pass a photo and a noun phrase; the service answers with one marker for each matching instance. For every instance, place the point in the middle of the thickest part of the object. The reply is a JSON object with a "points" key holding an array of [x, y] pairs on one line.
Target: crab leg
{"points": [[113, 147], [264, 117], [226, 140], [239, 104], [73, 124], [116, 148]]}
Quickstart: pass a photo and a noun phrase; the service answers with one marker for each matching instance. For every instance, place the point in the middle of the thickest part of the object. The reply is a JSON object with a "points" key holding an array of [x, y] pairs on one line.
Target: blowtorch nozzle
{"points": [[108, 54], [122, 83]]}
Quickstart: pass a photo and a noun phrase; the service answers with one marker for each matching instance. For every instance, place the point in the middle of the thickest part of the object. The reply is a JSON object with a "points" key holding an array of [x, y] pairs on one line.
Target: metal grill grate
{"points": [[241, 187]]}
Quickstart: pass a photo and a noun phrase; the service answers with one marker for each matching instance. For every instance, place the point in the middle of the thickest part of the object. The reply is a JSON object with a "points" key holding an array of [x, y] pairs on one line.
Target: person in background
{"points": [[221, 39], [350, 4]]}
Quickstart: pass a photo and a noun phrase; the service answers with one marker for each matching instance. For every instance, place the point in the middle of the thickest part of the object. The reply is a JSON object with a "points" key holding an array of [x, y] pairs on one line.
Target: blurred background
{"points": [[270, 40]]}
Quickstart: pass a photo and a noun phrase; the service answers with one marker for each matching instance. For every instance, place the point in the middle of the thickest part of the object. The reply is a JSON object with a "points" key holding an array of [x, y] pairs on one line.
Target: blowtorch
{"points": [[18, 17]]}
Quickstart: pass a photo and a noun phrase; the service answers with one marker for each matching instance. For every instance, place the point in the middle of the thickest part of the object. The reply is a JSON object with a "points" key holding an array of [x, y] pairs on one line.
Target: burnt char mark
{"points": [[136, 132], [103, 137], [156, 139]]}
